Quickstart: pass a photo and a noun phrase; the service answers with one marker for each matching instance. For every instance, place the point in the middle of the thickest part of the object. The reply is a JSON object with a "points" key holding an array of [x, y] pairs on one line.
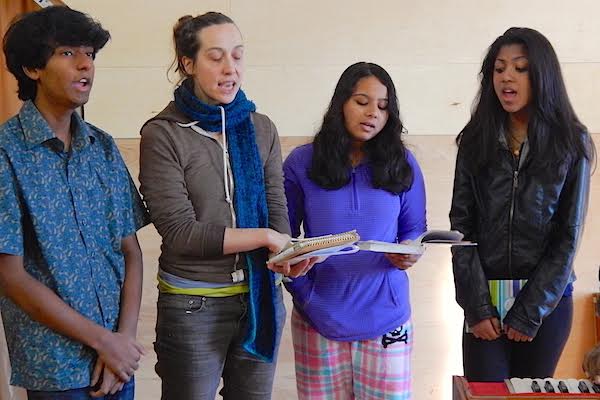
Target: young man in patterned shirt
{"points": [[70, 262]]}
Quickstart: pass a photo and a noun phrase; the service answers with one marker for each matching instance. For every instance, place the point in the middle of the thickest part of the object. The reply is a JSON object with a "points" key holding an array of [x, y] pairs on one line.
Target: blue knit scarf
{"points": [[250, 205]]}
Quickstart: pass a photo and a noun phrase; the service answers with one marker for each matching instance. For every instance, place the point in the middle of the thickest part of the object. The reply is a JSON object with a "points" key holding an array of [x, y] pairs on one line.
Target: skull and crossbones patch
{"points": [[395, 336]]}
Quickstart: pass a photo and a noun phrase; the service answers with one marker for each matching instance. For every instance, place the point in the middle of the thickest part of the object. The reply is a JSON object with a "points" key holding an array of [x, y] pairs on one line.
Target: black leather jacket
{"points": [[527, 222]]}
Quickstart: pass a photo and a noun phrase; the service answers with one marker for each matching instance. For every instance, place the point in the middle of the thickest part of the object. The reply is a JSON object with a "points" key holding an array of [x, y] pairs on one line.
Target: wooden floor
{"points": [[437, 318]]}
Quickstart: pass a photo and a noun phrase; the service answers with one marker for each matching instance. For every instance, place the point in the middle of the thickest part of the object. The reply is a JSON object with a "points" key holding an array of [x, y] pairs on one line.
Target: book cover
{"points": [[417, 246], [503, 294]]}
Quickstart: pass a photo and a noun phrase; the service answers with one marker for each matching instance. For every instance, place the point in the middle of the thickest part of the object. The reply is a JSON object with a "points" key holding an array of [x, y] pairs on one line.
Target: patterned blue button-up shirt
{"points": [[66, 214]]}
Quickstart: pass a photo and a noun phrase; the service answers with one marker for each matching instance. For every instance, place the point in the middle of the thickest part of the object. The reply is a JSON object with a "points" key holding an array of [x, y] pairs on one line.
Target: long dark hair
{"points": [[554, 131], [185, 36], [32, 38], [385, 152]]}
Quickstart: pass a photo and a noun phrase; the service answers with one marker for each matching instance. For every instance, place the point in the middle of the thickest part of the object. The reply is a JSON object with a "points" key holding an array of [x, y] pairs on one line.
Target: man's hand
{"points": [[121, 353], [110, 384], [488, 329], [515, 335]]}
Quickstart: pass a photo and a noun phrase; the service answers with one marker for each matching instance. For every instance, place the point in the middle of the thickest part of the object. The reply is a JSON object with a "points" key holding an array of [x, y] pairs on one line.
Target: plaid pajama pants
{"points": [[365, 369]]}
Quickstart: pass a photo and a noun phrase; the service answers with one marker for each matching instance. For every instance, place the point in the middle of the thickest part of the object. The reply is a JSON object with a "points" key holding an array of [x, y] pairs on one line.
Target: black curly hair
{"points": [[32, 38]]}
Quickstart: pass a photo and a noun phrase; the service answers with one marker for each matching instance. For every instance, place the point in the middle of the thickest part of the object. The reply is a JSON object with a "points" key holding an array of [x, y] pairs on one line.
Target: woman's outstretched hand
{"points": [[293, 271]]}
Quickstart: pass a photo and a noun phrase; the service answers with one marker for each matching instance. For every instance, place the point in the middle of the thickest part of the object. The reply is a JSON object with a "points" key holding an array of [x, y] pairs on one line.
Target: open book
{"points": [[320, 246], [417, 246]]}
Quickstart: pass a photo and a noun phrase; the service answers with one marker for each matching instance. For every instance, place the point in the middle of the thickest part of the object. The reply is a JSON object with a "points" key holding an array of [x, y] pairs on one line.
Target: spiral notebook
{"points": [[319, 246]]}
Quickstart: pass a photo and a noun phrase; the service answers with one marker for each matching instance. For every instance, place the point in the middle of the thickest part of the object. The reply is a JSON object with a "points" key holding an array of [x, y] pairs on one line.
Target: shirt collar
{"points": [[524, 148], [502, 137], [37, 131]]}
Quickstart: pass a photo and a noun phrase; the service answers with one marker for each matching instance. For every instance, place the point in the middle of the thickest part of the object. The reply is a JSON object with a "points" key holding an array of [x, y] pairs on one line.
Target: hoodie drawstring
{"points": [[237, 275], [225, 157]]}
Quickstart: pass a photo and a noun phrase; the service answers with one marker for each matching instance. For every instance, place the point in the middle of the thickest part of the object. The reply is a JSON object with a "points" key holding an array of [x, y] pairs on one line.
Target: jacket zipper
{"points": [[231, 207], [511, 214], [230, 177]]}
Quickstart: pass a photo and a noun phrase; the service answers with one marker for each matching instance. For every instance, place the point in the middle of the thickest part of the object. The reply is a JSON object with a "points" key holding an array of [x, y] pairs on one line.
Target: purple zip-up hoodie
{"points": [[362, 295]]}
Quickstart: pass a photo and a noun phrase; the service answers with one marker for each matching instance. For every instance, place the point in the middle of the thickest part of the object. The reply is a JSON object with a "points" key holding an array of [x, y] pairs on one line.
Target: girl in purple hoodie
{"points": [[351, 322]]}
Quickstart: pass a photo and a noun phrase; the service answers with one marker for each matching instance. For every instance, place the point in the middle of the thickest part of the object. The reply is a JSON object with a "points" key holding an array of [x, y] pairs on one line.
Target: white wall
{"points": [[296, 51]]}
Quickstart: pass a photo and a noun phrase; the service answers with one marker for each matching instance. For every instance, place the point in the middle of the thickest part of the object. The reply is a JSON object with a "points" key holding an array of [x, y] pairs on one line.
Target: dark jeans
{"points": [[493, 361], [127, 393], [199, 341]]}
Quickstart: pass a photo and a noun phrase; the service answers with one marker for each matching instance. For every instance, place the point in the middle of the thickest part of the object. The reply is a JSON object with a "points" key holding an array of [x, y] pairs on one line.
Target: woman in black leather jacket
{"points": [[521, 192]]}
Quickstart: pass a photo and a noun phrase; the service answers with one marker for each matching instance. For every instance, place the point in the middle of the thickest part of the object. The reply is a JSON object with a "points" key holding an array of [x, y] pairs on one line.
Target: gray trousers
{"points": [[199, 341]]}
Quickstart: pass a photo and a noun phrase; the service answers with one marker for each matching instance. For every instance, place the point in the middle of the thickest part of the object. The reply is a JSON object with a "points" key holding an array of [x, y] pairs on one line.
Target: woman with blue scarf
{"points": [[210, 173]]}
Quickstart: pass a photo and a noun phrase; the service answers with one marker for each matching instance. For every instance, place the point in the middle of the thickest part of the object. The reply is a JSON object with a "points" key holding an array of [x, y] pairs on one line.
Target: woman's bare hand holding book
{"points": [[403, 261], [321, 246], [293, 269]]}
